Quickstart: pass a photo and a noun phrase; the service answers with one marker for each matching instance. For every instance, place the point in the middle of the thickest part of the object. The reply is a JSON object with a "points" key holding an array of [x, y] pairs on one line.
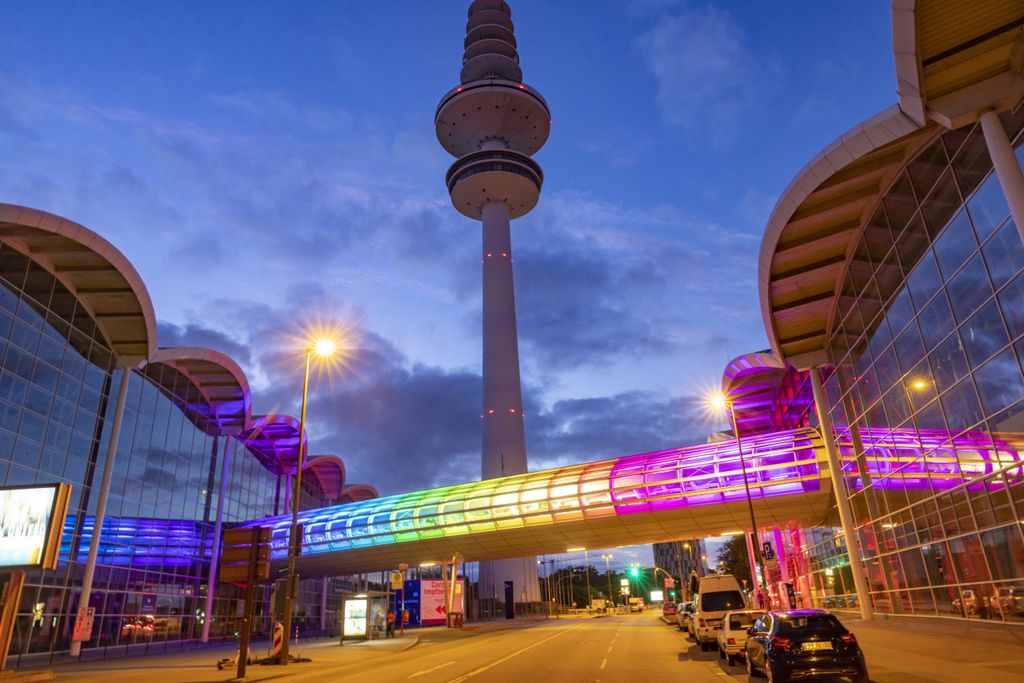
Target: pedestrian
{"points": [[390, 623]]}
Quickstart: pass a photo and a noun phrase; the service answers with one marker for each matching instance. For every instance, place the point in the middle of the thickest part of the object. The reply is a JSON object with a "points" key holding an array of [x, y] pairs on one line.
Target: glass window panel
{"points": [[924, 281], [887, 370], [1004, 254], [948, 362], [988, 206], [968, 558], [919, 385], [931, 417], [969, 288], [912, 244], [971, 162], [1011, 299], [900, 312], [909, 349], [936, 321], [962, 407], [925, 169], [999, 382], [896, 406], [984, 334], [954, 245], [941, 203], [900, 203], [1005, 551]]}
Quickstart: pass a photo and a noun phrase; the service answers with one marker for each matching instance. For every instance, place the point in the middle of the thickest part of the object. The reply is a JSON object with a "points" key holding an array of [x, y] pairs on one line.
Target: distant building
{"points": [[680, 558]]}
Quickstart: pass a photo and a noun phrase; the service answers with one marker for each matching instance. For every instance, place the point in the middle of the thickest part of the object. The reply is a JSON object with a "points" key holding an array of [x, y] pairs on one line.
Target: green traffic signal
{"points": [[634, 572]]}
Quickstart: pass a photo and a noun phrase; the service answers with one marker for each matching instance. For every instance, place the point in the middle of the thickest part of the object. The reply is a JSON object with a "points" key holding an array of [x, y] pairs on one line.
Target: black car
{"points": [[798, 644]]}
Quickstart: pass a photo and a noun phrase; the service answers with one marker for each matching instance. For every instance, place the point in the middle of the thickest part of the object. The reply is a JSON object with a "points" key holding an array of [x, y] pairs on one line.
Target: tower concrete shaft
{"points": [[492, 123], [504, 440]]}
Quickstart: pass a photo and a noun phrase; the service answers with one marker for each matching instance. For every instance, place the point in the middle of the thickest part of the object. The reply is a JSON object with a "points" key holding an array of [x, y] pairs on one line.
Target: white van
{"points": [[716, 595]]}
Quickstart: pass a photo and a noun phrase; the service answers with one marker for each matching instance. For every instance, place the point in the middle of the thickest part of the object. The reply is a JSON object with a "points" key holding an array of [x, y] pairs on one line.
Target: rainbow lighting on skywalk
{"points": [[691, 486], [685, 485]]}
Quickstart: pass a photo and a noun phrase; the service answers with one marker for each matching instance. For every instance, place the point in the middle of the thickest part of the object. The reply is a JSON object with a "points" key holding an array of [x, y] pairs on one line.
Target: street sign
{"points": [[83, 625], [241, 554], [623, 582], [244, 536], [768, 553], [245, 555], [396, 581], [669, 583]]}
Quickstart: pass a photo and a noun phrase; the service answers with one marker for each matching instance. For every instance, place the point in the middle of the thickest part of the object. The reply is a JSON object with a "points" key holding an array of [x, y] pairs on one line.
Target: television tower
{"points": [[493, 122]]}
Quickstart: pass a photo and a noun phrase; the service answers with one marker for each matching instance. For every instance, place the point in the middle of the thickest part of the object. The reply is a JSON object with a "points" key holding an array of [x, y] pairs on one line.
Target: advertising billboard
{"points": [[31, 522]]}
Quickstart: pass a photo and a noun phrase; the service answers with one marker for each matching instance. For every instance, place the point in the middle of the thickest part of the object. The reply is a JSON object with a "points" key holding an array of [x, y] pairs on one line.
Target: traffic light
{"points": [[634, 572]]}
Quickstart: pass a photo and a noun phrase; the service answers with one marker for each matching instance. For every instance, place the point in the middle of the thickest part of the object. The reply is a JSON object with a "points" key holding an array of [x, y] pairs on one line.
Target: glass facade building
{"points": [[927, 348], [151, 580], [932, 339]]}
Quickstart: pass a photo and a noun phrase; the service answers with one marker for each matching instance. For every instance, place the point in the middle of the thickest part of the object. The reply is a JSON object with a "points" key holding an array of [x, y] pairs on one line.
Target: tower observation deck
{"points": [[493, 123]]}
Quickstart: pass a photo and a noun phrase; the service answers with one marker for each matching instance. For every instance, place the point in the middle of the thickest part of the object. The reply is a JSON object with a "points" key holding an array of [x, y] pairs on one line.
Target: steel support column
{"points": [[835, 471]]}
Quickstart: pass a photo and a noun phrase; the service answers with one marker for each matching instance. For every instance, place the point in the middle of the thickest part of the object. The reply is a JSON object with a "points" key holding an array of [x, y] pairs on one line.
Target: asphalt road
{"points": [[634, 648], [620, 648]]}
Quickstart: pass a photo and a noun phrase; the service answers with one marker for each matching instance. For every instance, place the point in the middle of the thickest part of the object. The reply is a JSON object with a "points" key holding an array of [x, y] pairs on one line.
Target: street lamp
{"points": [[323, 348], [586, 561], [608, 574], [720, 402]]}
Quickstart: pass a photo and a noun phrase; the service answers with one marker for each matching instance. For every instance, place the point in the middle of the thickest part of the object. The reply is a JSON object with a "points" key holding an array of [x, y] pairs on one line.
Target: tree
{"points": [[732, 559]]}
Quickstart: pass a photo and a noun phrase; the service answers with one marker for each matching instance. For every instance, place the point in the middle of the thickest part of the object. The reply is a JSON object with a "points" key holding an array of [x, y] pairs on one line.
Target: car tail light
{"points": [[730, 641], [702, 622], [782, 644], [848, 638]]}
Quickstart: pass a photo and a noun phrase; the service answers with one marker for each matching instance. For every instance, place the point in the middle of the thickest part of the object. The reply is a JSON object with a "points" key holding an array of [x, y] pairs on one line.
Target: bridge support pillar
{"points": [[842, 498]]}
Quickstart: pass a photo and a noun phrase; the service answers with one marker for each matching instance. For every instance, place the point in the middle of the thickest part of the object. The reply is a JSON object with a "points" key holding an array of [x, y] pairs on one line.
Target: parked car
{"points": [[1011, 600], [716, 595], [798, 644], [684, 615], [732, 639], [669, 609]]}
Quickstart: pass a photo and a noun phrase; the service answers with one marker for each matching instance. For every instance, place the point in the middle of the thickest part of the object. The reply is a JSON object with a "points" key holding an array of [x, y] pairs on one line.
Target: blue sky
{"points": [[254, 159]]}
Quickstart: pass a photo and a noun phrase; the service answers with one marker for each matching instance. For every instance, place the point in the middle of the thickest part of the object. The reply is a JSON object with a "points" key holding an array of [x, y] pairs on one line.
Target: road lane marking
{"points": [[427, 671], [609, 649], [604, 662], [482, 669]]}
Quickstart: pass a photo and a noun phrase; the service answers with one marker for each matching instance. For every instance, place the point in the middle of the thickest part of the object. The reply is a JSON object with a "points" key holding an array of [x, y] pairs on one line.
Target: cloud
{"points": [[708, 77], [192, 334]]}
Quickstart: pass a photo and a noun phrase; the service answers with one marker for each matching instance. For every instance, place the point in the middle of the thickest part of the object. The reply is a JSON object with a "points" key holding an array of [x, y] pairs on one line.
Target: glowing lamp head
{"points": [[919, 385], [718, 401], [324, 348]]}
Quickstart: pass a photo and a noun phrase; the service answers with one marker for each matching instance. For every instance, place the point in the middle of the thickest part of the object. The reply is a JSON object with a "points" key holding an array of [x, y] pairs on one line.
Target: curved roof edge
{"points": [[94, 271], [357, 492], [219, 379], [957, 60], [274, 439], [329, 471], [881, 129]]}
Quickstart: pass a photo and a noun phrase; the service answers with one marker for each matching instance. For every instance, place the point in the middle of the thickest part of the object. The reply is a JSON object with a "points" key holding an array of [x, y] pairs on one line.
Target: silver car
{"points": [[684, 615]]}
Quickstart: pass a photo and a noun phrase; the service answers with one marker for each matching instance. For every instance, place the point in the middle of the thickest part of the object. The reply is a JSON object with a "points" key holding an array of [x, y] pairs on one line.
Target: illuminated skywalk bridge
{"points": [[681, 493]]}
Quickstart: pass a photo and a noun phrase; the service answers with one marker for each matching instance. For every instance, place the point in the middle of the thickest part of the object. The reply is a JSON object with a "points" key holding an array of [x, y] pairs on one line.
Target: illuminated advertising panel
{"points": [[354, 619], [31, 520]]}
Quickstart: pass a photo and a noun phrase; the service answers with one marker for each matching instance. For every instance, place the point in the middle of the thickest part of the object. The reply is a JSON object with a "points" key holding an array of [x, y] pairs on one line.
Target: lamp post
{"points": [[608, 574], [586, 568], [722, 402], [323, 349]]}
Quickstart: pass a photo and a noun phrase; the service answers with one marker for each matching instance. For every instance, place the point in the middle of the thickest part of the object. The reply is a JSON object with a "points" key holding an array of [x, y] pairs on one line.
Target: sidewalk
{"points": [[913, 649], [199, 665]]}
